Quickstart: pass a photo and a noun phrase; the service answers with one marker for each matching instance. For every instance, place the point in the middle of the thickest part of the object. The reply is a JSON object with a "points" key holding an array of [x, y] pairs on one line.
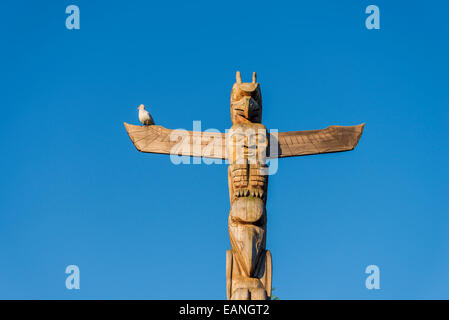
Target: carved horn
{"points": [[238, 77], [254, 77]]}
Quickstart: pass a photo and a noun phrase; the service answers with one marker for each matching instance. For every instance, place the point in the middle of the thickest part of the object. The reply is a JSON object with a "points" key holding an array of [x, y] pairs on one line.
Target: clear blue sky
{"points": [[74, 190]]}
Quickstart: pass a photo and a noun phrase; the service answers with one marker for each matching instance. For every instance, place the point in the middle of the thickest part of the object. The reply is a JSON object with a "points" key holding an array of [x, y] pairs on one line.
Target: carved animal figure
{"points": [[246, 146], [248, 263]]}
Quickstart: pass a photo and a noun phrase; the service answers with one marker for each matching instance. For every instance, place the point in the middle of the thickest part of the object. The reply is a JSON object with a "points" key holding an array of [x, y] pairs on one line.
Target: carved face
{"points": [[247, 143], [246, 101]]}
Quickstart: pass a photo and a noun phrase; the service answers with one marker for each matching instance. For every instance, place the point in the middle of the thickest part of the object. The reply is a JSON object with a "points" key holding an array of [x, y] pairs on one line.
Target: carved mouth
{"points": [[258, 223]]}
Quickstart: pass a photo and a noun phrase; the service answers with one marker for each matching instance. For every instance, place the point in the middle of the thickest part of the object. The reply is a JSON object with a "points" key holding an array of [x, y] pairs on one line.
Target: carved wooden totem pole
{"points": [[247, 146]]}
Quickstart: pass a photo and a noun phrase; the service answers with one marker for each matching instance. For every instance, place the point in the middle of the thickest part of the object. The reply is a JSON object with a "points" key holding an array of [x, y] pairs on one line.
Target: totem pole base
{"points": [[241, 287]]}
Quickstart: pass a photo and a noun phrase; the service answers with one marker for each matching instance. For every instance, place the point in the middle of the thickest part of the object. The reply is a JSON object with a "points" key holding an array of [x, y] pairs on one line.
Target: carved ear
{"points": [[238, 77], [254, 77]]}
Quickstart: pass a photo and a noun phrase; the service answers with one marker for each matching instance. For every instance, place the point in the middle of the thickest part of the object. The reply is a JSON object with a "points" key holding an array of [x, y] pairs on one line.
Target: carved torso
{"points": [[246, 148]]}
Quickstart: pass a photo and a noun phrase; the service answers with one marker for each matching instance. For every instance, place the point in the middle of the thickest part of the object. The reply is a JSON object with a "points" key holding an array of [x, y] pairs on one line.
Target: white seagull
{"points": [[145, 116]]}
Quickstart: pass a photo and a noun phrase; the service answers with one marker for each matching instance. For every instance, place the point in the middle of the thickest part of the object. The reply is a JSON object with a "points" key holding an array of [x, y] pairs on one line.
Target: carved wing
{"points": [[157, 139], [301, 143]]}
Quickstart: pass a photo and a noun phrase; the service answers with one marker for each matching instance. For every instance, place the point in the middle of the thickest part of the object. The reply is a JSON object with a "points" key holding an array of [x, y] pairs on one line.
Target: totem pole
{"points": [[247, 146]]}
